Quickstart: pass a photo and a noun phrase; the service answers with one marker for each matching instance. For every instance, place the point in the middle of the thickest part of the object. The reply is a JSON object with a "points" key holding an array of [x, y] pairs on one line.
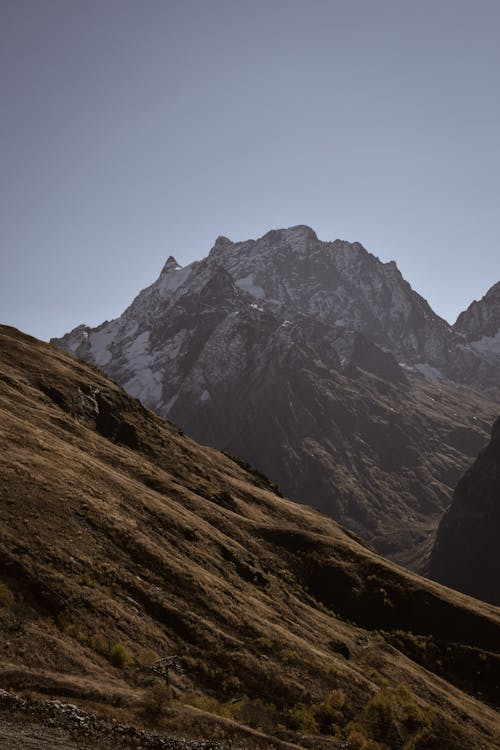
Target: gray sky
{"points": [[136, 129]]}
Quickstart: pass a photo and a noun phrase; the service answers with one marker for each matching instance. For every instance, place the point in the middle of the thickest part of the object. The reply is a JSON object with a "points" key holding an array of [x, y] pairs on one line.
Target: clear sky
{"points": [[135, 129]]}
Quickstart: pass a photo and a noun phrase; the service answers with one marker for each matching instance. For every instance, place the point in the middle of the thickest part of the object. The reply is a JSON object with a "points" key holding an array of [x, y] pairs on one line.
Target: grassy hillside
{"points": [[123, 542]]}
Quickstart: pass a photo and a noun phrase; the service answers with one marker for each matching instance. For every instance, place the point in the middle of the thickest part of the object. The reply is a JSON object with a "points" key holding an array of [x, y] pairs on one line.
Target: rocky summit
{"points": [[292, 274], [318, 364]]}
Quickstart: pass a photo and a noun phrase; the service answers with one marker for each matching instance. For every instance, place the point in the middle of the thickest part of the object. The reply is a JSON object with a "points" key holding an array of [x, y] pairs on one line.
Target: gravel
{"points": [[54, 725]]}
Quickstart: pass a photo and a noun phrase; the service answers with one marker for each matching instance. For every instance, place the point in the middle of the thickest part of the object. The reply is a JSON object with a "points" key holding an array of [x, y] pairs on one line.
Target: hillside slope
{"points": [[271, 349], [123, 541], [466, 555]]}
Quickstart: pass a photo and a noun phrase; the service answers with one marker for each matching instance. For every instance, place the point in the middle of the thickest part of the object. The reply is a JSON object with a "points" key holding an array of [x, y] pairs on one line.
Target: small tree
{"points": [[156, 699]]}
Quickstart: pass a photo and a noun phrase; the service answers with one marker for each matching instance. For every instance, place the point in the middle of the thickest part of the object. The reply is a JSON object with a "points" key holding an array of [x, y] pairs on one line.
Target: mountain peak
{"points": [[170, 265], [297, 235], [301, 229], [480, 323], [494, 290], [221, 243]]}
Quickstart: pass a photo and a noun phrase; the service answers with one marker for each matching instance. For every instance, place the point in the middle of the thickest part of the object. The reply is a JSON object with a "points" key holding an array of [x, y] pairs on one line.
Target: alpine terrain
{"points": [[155, 593], [480, 325], [466, 554], [318, 364]]}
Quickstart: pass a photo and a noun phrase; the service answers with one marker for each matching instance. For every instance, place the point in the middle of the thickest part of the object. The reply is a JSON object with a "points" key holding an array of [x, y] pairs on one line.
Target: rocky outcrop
{"points": [[480, 325], [31, 724]]}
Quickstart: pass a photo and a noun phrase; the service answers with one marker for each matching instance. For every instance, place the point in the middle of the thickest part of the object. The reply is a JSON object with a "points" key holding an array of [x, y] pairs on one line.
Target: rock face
{"points": [[291, 275], [316, 362], [466, 555], [480, 325]]}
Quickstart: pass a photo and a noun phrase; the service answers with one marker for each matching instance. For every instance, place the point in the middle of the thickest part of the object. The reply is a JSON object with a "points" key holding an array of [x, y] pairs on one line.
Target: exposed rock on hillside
{"points": [[480, 325]]}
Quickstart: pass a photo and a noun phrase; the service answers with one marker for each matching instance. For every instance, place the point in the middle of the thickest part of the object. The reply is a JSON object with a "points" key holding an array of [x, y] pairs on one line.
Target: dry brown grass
{"points": [[117, 529]]}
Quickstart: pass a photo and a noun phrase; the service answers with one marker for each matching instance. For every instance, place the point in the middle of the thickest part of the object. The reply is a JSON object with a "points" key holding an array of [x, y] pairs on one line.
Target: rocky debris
{"points": [[84, 726]]}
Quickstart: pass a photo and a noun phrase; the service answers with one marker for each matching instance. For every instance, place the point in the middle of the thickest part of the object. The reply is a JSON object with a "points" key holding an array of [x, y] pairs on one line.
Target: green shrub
{"points": [[300, 718], [358, 741], [331, 710], [288, 656], [99, 644], [232, 684], [264, 644], [120, 656], [256, 713], [156, 699], [392, 716], [76, 632], [87, 580], [204, 670], [206, 703], [6, 596], [147, 656]]}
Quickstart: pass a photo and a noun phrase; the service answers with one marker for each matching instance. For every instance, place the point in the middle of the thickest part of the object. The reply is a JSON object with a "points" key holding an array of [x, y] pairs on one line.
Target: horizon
{"points": [[137, 131]]}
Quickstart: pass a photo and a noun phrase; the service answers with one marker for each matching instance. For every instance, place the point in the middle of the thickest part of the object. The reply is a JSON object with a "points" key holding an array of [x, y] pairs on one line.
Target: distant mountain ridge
{"points": [[307, 358], [291, 273]]}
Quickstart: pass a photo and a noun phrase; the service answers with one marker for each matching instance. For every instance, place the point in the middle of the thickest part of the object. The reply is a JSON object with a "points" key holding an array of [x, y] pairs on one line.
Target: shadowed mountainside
{"points": [[466, 555], [122, 541]]}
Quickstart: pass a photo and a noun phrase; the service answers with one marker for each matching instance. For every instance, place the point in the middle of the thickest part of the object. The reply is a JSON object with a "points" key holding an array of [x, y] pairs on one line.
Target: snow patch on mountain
{"points": [[171, 281], [146, 385], [429, 372], [100, 341], [247, 283], [488, 344]]}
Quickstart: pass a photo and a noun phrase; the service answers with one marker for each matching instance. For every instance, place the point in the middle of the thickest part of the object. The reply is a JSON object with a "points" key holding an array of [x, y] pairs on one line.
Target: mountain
{"points": [[480, 325], [122, 541], [318, 364], [466, 554], [292, 274]]}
